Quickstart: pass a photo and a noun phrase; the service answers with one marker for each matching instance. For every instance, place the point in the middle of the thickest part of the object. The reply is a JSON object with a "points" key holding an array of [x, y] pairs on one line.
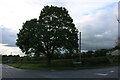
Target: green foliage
{"points": [[58, 67], [95, 60], [101, 52], [52, 32], [89, 54], [114, 59], [62, 62], [117, 44], [26, 36], [10, 58], [117, 47]]}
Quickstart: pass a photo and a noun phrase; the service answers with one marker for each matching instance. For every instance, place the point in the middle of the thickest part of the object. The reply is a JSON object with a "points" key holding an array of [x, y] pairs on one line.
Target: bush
{"points": [[115, 59], [63, 62], [96, 60], [100, 53]]}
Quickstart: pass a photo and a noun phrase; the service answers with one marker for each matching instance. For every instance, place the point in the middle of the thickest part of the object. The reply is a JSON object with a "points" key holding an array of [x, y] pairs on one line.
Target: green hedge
{"points": [[62, 62], [96, 60]]}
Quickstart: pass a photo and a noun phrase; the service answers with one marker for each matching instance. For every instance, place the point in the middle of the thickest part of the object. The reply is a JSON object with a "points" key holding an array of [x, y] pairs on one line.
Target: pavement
{"points": [[11, 72]]}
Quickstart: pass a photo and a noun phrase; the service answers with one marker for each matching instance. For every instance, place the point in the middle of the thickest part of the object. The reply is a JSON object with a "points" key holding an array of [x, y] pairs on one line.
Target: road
{"points": [[11, 72]]}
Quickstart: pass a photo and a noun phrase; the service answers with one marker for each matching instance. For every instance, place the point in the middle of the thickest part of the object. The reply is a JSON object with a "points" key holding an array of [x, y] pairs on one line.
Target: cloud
{"points": [[15, 12], [8, 36], [99, 30], [0, 35], [5, 50], [7, 43]]}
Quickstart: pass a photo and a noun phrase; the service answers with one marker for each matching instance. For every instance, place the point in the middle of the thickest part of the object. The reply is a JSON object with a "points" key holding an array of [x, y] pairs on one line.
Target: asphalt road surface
{"points": [[11, 72]]}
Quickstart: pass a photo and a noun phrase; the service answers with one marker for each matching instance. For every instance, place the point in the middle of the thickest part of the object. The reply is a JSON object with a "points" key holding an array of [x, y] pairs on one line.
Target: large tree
{"points": [[52, 32]]}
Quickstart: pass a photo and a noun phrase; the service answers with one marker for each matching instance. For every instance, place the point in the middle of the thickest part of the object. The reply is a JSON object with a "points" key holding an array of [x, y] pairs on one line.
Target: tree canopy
{"points": [[54, 31]]}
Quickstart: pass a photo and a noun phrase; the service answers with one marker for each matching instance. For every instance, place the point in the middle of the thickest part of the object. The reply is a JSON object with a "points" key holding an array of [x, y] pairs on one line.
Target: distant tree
{"points": [[116, 47], [83, 54], [117, 44], [101, 52], [53, 31], [89, 53]]}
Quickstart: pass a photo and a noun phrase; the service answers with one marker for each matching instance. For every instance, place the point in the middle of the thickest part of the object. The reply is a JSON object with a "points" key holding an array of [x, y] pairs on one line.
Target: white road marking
{"points": [[6, 71], [102, 74], [9, 67], [112, 71], [105, 74]]}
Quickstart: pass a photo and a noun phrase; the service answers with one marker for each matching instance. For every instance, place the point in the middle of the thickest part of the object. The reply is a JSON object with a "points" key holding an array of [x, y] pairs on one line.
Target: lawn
{"points": [[58, 67]]}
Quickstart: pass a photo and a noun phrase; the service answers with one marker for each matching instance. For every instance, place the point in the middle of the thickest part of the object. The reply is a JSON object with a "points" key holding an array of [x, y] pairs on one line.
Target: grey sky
{"points": [[8, 37]]}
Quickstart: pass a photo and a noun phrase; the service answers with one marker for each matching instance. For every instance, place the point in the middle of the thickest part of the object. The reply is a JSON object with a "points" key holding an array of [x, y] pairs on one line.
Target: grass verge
{"points": [[58, 67]]}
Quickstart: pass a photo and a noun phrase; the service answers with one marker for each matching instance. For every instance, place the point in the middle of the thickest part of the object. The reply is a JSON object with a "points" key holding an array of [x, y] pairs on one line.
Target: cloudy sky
{"points": [[96, 19]]}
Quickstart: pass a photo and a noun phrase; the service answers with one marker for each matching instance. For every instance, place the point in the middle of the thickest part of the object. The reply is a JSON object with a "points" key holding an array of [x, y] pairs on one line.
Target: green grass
{"points": [[66, 64], [58, 67]]}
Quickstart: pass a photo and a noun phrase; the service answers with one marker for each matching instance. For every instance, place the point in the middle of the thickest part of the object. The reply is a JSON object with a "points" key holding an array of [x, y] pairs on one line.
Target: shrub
{"points": [[63, 62], [95, 60]]}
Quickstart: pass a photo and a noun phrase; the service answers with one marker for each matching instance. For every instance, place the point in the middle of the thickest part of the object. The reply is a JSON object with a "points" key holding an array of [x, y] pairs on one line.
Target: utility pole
{"points": [[80, 41], [80, 46], [79, 49], [118, 19]]}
